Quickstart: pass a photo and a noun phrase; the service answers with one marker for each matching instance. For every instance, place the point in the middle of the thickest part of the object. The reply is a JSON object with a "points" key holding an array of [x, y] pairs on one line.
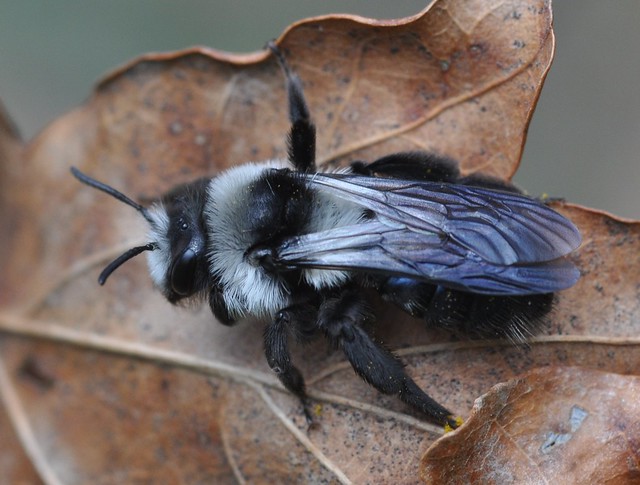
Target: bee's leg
{"points": [[302, 135], [411, 166], [219, 307], [429, 167], [489, 182], [341, 318], [288, 321]]}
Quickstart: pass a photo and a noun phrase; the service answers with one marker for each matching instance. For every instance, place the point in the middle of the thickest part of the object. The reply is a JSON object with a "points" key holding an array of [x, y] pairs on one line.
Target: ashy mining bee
{"points": [[298, 245]]}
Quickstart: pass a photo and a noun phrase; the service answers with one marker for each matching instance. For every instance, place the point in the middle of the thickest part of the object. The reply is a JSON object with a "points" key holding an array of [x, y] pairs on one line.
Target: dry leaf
{"points": [[113, 384], [525, 431]]}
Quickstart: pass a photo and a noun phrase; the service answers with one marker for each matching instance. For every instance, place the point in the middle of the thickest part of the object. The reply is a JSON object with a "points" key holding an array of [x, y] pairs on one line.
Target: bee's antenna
{"points": [[123, 258], [133, 252], [91, 182]]}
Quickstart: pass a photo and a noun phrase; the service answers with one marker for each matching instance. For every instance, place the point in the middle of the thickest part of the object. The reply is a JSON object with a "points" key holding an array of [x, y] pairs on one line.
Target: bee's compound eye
{"points": [[183, 272]]}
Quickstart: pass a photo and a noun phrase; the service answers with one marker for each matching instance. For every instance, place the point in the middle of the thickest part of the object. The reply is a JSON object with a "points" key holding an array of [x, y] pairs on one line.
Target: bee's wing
{"points": [[374, 246], [500, 227], [462, 237]]}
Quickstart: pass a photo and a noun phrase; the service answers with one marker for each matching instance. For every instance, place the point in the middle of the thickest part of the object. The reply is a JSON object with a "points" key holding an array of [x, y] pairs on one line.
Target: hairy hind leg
{"points": [[341, 320]]}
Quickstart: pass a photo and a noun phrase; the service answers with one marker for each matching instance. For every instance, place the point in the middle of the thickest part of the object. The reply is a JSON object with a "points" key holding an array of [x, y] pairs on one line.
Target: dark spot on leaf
{"points": [[553, 440], [425, 52], [515, 15], [34, 371], [164, 384]]}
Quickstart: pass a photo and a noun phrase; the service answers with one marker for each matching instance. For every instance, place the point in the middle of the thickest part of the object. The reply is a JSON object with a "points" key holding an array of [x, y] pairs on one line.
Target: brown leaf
{"points": [[525, 431], [113, 382]]}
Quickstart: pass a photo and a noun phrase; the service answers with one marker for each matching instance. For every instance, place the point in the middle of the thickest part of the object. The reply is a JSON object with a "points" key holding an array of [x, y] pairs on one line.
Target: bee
{"points": [[301, 246]]}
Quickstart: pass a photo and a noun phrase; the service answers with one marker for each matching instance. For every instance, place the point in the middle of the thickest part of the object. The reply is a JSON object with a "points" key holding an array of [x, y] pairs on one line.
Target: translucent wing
{"points": [[470, 238], [500, 227]]}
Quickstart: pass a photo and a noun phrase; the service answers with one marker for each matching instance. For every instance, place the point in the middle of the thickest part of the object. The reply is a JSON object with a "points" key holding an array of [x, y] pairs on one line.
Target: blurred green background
{"points": [[583, 144]]}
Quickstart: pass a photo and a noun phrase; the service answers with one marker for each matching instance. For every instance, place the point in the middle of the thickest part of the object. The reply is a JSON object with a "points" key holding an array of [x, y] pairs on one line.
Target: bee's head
{"points": [[177, 251]]}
